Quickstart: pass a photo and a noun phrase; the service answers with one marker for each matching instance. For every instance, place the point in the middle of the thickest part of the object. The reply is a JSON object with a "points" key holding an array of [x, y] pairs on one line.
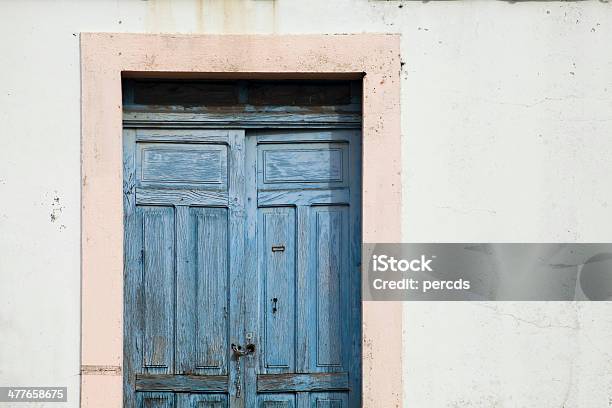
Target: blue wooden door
{"points": [[242, 268]]}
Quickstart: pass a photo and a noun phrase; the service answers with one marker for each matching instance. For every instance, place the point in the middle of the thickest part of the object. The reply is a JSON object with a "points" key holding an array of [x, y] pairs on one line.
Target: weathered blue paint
{"points": [[304, 190], [234, 238], [276, 229], [296, 382]]}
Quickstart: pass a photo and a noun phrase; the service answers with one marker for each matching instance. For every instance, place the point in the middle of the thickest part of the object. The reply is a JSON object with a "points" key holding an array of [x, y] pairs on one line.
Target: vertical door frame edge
{"points": [[106, 57]]}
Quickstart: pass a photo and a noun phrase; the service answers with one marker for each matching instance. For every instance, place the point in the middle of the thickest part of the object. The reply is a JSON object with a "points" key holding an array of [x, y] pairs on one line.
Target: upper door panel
{"points": [[182, 165], [303, 166]]}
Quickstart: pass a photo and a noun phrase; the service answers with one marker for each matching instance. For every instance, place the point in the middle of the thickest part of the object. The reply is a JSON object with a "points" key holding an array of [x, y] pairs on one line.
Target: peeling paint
{"points": [[56, 210], [100, 370]]}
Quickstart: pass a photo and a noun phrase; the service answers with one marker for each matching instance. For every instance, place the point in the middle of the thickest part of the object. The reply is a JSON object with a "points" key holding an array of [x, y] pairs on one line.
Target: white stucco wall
{"points": [[507, 120]]}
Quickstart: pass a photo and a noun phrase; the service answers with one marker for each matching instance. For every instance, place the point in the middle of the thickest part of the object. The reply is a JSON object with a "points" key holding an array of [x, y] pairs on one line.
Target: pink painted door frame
{"points": [[105, 57]]}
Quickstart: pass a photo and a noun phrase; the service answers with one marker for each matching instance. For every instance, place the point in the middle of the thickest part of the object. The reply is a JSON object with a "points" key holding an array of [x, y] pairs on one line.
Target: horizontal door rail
{"points": [[182, 383], [162, 196], [242, 120], [303, 197], [302, 382]]}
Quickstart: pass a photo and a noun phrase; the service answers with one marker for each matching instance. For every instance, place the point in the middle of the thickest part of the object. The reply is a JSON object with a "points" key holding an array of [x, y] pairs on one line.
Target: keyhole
{"points": [[274, 303]]}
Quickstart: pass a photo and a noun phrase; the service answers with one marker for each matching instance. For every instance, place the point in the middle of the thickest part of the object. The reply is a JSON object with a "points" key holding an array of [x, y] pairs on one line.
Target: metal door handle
{"points": [[240, 351]]}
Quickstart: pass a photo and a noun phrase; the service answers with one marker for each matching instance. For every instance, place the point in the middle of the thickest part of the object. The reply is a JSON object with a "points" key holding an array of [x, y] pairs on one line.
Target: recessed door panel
{"points": [[157, 288], [276, 401], [276, 228], [155, 400], [329, 400], [303, 165], [190, 400], [211, 270], [179, 164], [330, 261]]}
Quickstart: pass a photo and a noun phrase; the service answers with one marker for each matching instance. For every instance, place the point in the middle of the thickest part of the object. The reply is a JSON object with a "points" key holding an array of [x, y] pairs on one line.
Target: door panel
{"points": [[182, 165], [276, 401], [155, 400], [202, 301], [308, 242], [330, 258], [210, 255], [302, 165], [201, 401], [233, 239], [329, 400], [184, 225], [157, 225], [277, 271]]}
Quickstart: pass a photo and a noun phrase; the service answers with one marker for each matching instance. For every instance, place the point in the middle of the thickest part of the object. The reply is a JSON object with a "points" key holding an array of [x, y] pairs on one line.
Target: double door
{"points": [[241, 281]]}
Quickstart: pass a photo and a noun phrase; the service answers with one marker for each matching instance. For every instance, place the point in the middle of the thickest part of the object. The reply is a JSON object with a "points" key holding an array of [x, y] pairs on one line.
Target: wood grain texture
{"points": [[158, 288], [237, 262], [302, 382], [276, 401], [241, 104], [164, 163], [244, 120], [181, 383], [162, 196], [279, 198], [293, 301], [190, 400], [304, 289], [302, 165], [211, 313], [185, 299], [330, 259], [177, 278], [303, 399], [329, 400], [308, 136], [277, 269], [327, 343], [217, 136], [155, 400], [253, 326]]}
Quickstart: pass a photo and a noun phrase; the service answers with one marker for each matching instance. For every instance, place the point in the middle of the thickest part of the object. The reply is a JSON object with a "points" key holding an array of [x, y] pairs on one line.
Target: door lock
{"points": [[240, 351]]}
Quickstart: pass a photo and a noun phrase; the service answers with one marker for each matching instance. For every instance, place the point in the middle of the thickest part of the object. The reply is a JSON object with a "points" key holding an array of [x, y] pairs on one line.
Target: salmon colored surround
{"points": [[105, 57]]}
